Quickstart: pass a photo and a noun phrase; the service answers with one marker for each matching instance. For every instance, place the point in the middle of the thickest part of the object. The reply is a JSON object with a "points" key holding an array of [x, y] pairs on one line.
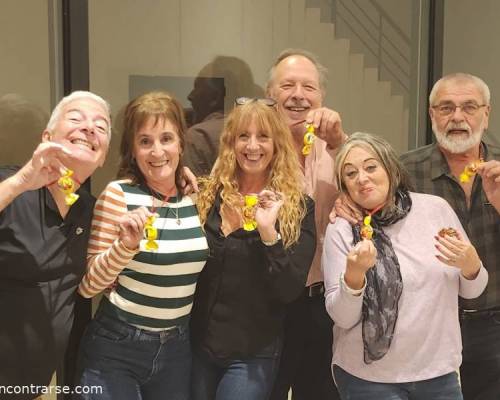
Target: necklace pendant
{"points": [[178, 221]]}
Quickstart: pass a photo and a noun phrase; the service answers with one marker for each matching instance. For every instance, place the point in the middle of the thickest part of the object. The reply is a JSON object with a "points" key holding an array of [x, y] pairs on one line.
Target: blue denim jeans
{"points": [[249, 379], [444, 387], [134, 364], [480, 370]]}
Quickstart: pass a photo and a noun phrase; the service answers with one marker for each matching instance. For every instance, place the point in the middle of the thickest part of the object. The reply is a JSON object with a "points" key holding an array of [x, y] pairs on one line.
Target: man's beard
{"points": [[458, 143]]}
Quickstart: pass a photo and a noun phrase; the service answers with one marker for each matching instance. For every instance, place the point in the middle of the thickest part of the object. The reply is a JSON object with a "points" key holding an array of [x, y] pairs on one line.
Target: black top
{"points": [[431, 174], [42, 260], [243, 290]]}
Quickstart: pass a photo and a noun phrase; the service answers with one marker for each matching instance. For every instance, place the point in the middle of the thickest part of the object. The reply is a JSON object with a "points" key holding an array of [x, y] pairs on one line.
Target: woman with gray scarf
{"points": [[394, 296]]}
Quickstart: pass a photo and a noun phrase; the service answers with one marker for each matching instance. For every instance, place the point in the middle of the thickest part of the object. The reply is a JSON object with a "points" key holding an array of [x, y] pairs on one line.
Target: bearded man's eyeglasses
{"points": [[448, 109]]}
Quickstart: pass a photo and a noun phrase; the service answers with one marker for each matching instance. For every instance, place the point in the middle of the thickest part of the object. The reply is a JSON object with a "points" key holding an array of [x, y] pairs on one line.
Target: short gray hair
{"points": [[79, 94], [322, 71], [463, 78]]}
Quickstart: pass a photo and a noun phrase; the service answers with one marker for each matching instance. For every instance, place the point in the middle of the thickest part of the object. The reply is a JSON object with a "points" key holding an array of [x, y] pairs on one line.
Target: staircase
{"points": [[354, 89], [193, 32]]}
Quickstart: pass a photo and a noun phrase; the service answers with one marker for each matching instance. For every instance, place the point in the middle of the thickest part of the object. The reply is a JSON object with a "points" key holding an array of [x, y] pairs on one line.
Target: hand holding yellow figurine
{"points": [[470, 170], [366, 229], [249, 223], [67, 185], [150, 234], [309, 138]]}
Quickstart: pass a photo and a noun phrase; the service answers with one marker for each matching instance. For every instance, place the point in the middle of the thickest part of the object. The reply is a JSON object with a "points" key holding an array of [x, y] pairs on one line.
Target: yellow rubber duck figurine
{"points": [[150, 234], [249, 222], [309, 138], [67, 185]]}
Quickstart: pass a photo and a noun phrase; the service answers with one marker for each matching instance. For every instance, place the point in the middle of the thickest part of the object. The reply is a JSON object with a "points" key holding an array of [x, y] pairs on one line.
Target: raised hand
{"points": [[490, 176], [345, 208], [189, 182], [44, 167], [360, 259], [327, 125], [456, 252], [267, 209], [132, 227]]}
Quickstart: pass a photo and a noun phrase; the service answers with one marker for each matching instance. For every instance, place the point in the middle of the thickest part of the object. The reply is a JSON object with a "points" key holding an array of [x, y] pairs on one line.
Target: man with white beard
{"points": [[459, 111]]}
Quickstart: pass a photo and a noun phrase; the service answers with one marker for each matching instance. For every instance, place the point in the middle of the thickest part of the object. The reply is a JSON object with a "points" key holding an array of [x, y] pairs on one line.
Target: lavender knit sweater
{"points": [[427, 341]]}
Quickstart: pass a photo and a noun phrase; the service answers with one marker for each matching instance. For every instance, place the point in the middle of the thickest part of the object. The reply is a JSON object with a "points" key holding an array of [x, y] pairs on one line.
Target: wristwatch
{"points": [[272, 242]]}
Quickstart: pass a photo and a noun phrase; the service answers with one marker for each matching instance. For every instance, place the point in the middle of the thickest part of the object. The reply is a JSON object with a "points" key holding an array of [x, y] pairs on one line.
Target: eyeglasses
{"points": [[449, 108], [241, 101]]}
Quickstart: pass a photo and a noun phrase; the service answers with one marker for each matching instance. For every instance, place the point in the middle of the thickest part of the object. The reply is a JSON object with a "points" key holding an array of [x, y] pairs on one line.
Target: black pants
{"points": [[307, 353], [480, 370]]}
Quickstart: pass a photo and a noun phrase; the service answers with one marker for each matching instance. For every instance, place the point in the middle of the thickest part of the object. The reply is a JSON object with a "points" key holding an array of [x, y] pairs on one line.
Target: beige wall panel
{"points": [[25, 78], [470, 45], [128, 37], [24, 50], [281, 27], [354, 97], [257, 36], [336, 59], [210, 28], [297, 26], [140, 38]]}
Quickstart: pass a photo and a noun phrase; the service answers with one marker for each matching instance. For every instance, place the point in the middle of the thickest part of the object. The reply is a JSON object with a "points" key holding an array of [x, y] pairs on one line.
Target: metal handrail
{"points": [[384, 47], [388, 18], [387, 67]]}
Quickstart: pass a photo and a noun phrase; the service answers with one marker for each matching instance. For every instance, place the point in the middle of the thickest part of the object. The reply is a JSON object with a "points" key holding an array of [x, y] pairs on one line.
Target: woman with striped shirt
{"points": [[137, 346]]}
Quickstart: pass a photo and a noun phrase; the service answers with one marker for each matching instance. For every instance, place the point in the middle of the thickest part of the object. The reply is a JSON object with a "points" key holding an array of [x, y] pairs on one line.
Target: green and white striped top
{"points": [[154, 288]]}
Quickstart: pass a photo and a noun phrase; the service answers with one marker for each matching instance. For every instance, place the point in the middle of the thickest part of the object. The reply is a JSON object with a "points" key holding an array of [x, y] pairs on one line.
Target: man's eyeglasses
{"points": [[241, 101], [449, 108]]}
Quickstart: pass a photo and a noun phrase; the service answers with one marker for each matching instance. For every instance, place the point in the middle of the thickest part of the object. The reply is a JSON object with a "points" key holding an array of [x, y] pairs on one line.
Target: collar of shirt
{"points": [[439, 165]]}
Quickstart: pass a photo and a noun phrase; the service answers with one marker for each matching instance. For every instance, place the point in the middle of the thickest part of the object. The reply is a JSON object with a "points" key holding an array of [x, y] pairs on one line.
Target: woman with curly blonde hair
{"points": [[261, 235]]}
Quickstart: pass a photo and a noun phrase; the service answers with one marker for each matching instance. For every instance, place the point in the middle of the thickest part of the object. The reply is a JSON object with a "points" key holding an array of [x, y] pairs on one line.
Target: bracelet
{"points": [[272, 242]]}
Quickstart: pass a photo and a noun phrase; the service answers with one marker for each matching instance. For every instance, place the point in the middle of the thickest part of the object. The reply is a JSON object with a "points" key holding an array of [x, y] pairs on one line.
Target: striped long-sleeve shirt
{"points": [[154, 288]]}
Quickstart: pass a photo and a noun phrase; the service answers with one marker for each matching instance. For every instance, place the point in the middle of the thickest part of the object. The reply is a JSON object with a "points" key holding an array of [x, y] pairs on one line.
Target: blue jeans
{"points": [[444, 387], [249, 379], [480, 370], [134, 364]]}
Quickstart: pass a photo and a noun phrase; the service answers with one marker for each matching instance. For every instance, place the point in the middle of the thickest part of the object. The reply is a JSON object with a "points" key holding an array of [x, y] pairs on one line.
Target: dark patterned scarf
{"points": [[383, 284]]}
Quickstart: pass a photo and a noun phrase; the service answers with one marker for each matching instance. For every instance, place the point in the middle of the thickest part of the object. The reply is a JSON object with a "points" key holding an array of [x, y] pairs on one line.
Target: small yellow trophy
{"points": [[150, 234], [249, 222], [67, 185], [366, 229], [309, 138]]}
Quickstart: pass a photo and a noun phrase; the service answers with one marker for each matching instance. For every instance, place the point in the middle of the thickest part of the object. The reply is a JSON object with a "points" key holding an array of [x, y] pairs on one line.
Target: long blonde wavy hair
{"points": [[284, 170]]}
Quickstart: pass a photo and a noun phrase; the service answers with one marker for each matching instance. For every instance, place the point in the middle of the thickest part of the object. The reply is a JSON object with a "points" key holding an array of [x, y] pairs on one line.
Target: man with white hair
{"points": [[459, 111], [43, 243]]}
